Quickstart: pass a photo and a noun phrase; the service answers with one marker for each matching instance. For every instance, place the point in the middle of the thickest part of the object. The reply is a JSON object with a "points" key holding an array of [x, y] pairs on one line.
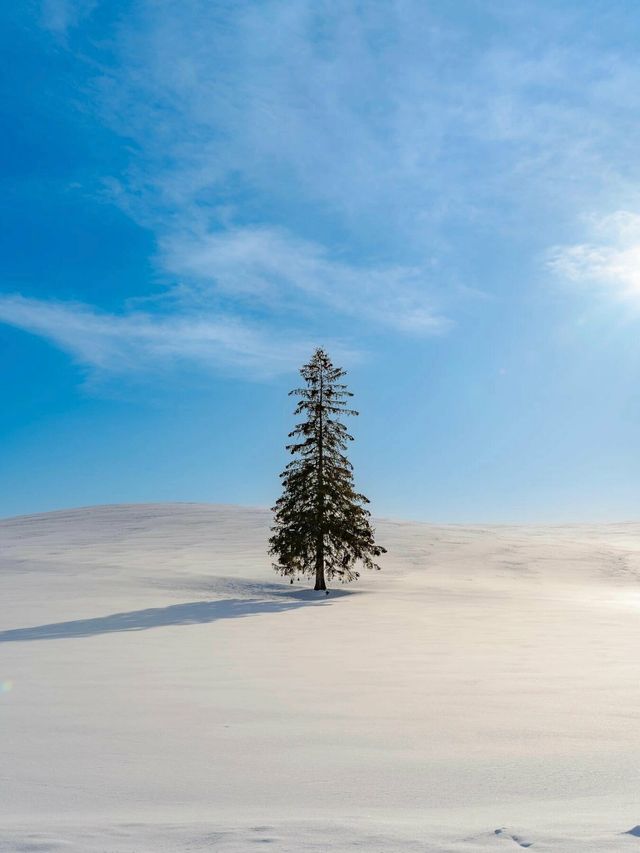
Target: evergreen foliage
{"points": [[321, 525]]}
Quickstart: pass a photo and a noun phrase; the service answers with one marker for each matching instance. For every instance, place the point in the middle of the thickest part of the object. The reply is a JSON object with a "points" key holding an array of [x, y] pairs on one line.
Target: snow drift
{"points": [[162, 690]]}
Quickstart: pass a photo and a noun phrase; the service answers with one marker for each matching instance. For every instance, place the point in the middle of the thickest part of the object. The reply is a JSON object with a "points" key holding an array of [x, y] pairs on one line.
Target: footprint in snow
{"points": [[512, 836]]}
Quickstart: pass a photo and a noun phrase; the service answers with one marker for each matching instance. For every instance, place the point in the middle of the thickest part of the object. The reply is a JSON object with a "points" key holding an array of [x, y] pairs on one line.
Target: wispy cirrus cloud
{"points": [[272, 267], [609, 262], [269, 272], [191, 324], [139, 342], [395, 129], [306, 165], [388, 120]]}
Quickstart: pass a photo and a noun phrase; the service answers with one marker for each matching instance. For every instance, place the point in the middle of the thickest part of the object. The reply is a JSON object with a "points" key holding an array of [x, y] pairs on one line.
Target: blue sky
{"points": [[444, 195]]}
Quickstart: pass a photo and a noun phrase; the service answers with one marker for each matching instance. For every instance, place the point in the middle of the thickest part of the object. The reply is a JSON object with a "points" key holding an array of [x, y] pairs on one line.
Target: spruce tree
{"points": [[321, 526]]}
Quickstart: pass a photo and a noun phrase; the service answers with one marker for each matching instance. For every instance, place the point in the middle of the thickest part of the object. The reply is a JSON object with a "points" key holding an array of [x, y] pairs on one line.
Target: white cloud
{"points": [[139, 342], [367, 145], [609, 261], [286, 276], [389, 119], [273, 267]]}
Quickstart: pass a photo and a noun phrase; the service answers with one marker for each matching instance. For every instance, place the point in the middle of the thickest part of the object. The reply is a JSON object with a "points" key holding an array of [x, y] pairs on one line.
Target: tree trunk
{"points": [[320, 582]]}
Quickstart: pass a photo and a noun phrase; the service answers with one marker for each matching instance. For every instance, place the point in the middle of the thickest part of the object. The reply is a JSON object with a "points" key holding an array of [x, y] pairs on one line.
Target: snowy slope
{"points": [[162, 690]]}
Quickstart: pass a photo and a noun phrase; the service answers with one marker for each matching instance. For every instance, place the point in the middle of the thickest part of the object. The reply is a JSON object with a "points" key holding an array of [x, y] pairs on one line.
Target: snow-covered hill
{"points": [[162, 690]]}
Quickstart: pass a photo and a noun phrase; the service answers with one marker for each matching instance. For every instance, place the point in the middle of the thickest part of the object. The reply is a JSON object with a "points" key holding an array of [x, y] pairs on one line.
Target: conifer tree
{"points": [[321, 526]]}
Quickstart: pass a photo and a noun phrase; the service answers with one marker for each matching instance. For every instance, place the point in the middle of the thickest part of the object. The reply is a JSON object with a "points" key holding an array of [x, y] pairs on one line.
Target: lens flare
{"points": [[6, 686]]}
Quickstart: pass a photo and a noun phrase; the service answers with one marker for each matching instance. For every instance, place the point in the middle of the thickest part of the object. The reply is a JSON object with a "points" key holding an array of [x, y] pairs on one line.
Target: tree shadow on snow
{"points": [[190, 613], [238, 587]]}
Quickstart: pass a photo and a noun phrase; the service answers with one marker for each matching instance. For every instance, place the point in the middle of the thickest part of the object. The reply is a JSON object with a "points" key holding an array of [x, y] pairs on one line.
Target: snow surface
{"points": [[162, 690]]}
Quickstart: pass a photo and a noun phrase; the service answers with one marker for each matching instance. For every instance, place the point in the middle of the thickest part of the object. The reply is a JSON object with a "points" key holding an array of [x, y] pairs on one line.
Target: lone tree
{"points": [[321, 525]]}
